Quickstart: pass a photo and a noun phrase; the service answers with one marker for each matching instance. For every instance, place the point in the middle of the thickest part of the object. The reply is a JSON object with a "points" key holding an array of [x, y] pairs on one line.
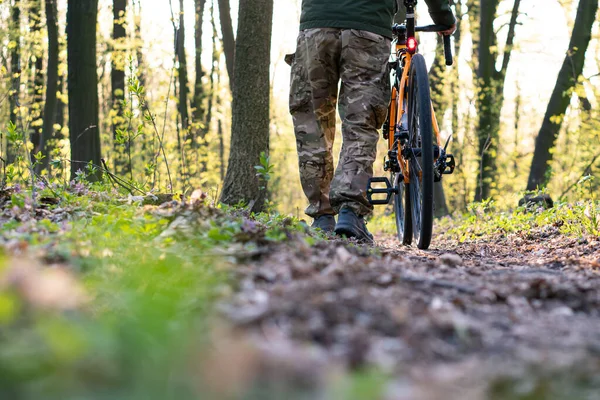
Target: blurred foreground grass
{"points": [[119, 308]]}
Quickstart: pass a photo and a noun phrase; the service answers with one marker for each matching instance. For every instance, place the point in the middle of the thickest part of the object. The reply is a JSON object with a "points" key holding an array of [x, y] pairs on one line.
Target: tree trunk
{"points": [[117, 80], [37, 90], [473, 8], [147, 141], [229, 45], [487, 128], [491, 92], [457, 149], [213, 70], [62, 89], [182, 71], [455, 76], [51, 83], [213, 89], [219, 100], [250, 108], [60, 106], [139, 44], [84, 132], [199, 95], [15, 74], [561, 96]]}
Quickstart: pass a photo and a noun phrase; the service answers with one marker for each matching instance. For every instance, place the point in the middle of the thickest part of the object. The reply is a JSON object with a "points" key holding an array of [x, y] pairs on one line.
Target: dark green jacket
{"points": [[375, 16]]}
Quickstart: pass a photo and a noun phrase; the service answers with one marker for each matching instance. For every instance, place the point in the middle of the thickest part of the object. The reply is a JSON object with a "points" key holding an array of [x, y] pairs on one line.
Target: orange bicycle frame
{"points": [[397, 111]]}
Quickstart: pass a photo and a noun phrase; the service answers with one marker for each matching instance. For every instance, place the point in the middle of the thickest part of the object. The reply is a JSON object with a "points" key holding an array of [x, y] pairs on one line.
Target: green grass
{"points": [[150, 290], [484, 220]]}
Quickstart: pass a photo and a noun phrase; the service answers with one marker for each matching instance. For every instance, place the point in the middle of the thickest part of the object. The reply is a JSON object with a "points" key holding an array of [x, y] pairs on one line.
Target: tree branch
{"points": [[510, 38], [586, 171]]}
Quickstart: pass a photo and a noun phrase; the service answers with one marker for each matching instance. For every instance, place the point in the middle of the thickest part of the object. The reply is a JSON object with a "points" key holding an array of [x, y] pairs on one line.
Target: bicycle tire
{"points": [[420, 128], [402, 210]]}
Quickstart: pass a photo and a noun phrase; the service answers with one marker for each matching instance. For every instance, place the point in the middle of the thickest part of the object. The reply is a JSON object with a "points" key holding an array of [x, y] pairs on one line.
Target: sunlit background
{"points": [[542, 38]]}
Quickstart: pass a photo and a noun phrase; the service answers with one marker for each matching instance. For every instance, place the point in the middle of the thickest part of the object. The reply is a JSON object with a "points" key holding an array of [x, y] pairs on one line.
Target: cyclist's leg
{"points": [[313, 99], [364, 100]]}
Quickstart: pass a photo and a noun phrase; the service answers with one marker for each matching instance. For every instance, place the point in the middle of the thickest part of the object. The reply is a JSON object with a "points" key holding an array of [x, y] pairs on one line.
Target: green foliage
{"points": [[489, 219], [149, 297], [264, 170], [484, 221], [361, 385]]}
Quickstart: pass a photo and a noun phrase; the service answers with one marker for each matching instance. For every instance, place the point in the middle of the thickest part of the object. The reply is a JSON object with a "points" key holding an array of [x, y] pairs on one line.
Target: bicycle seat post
{"points": [[410, 18]]}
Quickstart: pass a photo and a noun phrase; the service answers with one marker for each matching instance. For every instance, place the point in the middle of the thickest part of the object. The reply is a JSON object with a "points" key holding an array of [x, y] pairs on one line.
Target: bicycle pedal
{"points": [[450, 165], [388, 191]]}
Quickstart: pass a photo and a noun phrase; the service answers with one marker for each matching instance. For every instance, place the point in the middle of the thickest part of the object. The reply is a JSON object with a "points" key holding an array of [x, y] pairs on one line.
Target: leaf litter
{"points": [[453, 322]]}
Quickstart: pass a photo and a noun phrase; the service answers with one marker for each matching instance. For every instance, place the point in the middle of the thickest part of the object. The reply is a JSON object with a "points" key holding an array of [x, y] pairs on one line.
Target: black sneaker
{"points": [[326, 223], [352, 226]]}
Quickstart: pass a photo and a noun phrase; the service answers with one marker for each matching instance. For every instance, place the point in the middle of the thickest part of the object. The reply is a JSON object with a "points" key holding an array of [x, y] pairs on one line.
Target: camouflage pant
{"points": [[325, 56]]}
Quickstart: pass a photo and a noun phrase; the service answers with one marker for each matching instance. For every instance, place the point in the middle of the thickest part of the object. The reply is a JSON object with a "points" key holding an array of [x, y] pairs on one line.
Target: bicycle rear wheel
{"points": [[402, 209], [420, 129]]}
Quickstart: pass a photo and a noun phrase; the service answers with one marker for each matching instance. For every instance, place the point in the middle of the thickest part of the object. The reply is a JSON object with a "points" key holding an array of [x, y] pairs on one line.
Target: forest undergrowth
{"points": [[104, 295]]}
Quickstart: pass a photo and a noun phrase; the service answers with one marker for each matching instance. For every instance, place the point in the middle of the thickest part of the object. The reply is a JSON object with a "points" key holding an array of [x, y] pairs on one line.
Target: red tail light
{"points": [[412, 44]]}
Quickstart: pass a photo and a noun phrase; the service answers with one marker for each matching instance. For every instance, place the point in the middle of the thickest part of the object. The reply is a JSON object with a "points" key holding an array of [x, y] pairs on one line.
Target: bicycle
{"points": [[415, 156]]}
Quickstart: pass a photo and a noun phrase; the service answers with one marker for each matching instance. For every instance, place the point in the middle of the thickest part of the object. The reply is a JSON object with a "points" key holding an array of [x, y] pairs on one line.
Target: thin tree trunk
{"points": [[219, 101], [35, 25], [84, 132], [51, 83], [117, 80], [62, 89], [199, 95], [213, 89], [213, 70], [457, 141], [250, 108], [517, 128], [454, 92], [221, 149], [228, 38], [60, 107], [15, 74], [474, 8], [139, 44], [147, 141], [182, 71], [561, 96]]}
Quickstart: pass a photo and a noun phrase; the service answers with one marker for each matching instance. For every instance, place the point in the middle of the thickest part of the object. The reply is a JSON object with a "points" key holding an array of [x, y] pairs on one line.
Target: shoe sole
{"points": [[351, 234], [328, 229]]}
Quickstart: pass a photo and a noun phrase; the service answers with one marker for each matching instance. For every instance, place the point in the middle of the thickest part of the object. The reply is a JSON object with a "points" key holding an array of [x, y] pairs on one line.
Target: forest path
{"points": [[457, 321]]}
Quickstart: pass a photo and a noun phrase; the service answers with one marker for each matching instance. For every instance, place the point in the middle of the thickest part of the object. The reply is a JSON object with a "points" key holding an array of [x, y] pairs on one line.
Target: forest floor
{"points": [[505, 317], [184, 300]]}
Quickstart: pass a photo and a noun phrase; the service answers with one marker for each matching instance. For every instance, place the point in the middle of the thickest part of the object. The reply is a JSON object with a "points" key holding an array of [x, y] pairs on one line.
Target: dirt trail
{"points": [[470, 321]]}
